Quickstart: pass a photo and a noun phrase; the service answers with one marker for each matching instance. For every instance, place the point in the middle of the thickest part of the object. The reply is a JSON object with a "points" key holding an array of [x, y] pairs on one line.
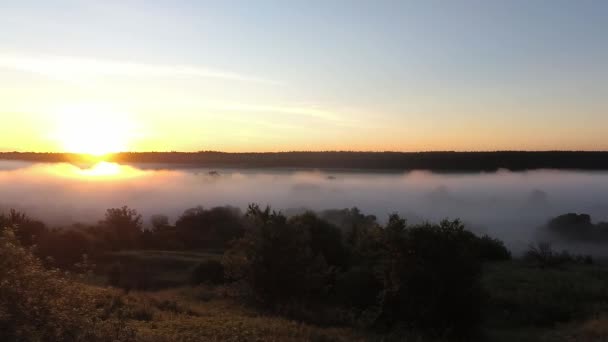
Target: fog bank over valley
{"points": [[504, 204]]}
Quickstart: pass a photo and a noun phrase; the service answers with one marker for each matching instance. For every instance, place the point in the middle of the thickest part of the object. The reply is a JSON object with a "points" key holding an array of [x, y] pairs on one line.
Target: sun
{"points": [[92, 129]]}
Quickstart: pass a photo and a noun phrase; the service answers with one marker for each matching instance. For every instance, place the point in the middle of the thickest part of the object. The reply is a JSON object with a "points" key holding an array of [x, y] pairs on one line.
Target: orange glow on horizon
{"points": [[99, 171], [92, 130]]}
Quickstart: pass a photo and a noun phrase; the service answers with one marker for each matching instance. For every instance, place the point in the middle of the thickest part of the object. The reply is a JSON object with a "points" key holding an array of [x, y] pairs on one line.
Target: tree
{"points": [[27, 230], [159, 222], [431, 277], [273, 263], [213, 228], [325, 239], [122, 228]]}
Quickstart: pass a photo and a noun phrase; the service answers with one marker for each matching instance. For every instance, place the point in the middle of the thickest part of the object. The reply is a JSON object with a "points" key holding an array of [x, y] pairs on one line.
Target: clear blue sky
{"points": [[302, 75]]}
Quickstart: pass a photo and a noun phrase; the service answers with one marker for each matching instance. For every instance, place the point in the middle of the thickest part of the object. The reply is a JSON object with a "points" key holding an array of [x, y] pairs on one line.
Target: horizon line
{"points": [[310, 151]]}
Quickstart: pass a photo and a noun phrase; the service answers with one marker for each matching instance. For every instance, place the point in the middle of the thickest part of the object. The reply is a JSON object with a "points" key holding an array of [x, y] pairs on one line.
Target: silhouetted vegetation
{"points": [[208, 272], [212, 228], [491, 249], [338, 267], [431, 277], [274, 263], [29, 230], [578, 227], [122, 228], [38, 304], [439, 161], [543, 255]]}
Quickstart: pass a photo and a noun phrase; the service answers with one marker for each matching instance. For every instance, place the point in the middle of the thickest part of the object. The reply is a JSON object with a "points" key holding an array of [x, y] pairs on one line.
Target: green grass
{"points": [[526, 303], [522, 303], [163, 268]]}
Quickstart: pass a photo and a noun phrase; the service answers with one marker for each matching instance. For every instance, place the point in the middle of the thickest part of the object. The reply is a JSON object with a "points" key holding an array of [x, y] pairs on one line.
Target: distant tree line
{"points": [[438, 161], [577, 227]]}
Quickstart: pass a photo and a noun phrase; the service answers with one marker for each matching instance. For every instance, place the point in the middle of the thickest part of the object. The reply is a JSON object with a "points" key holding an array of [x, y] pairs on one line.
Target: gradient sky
{"points": [[304, 75]]}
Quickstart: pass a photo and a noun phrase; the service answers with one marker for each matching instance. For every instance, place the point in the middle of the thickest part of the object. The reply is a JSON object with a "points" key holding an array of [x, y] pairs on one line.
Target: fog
{"points": [[507, 205]]}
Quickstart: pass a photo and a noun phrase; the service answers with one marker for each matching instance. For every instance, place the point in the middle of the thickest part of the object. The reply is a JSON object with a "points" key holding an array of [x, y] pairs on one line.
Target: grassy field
{"points": [[206, 314], [162, 269], [530, 304], [522, 303]]}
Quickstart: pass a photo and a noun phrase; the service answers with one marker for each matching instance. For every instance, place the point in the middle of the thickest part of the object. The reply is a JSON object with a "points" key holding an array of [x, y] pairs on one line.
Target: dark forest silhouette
{"points": [[336, 267], [438, 161]]}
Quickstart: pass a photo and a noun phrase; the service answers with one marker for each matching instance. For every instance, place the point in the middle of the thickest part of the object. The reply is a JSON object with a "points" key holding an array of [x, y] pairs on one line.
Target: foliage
{"points": [[64, 248], [423, 277], [325, 239], [209, 228], [208, 272], [273, 262], [29, 230], [431, 278], [491, 249], [349, 219], [357, 288], [543, 256], [37, 304], [577, 227], [122, 228]]}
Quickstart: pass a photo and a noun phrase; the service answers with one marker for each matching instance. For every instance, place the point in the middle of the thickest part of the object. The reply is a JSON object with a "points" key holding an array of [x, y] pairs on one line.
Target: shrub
{"points": [[122, 228], [37, 304], [431, 280], [357, 288], [324, 238], [273, 263], [491, 249], [349, 219], [209, 228], [543, 256], [208, 272], [578, 227], [65, 247], [27, 230]]}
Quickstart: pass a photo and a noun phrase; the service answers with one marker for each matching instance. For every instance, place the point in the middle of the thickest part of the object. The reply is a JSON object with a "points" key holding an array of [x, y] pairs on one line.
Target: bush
{"points": [[426, 277], [431, 280], [27, 230], [208, 272], [491, 249], [42, 305], [543, 256], [122, 228], [578, 227], [273, 263], [358, 288], [325, 239], [65, 247], [209, 228]]}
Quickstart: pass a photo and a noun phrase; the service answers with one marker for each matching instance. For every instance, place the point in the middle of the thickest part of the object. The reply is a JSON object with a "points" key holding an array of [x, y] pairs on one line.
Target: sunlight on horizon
{"points": [[101, 170], [92, 129]]}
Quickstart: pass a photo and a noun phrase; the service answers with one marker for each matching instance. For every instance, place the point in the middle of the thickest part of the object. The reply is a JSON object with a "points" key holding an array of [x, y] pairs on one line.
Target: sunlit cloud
{"points": [[77, 68]]}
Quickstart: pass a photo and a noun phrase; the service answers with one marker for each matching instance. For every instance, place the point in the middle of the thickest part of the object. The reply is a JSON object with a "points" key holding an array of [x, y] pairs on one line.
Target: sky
{"points": [[101, 76]]}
